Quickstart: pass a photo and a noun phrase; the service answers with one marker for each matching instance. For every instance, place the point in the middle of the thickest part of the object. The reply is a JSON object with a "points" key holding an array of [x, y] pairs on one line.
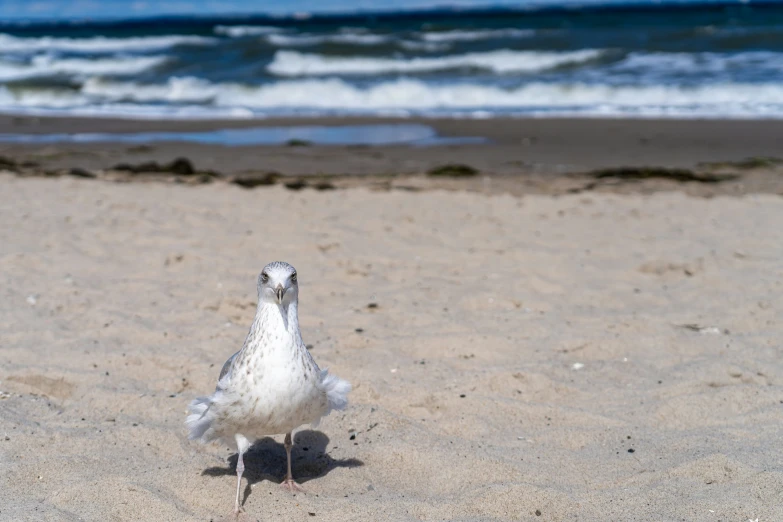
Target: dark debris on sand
{"points": [[453, 170], [256, 179], [651, 179], [180, 166], [81, 173], [298, 143], [643, 173], [753, 162], [12, 165], [7, 163], [704, 180]]}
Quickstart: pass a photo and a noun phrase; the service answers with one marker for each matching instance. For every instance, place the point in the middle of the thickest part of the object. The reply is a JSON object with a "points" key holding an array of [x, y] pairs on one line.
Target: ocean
{"points": [[692, 61]]}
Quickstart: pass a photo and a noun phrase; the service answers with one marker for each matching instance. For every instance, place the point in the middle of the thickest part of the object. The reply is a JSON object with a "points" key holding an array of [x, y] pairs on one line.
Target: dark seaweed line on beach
{"points": [[447, 176]]}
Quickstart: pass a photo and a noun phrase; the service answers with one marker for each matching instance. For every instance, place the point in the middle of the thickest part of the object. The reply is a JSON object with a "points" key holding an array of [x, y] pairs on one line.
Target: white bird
{"points": [[272, 385]]}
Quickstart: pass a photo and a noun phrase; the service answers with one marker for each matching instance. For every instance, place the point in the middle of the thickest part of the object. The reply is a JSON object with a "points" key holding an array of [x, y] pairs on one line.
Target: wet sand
{"points": [[517, 146], [554, 156]]}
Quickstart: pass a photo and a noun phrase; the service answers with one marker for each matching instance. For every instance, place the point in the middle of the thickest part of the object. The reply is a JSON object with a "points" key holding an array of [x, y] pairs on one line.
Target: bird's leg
{"points": [[240, 471], [288, 446], [289, 483]]}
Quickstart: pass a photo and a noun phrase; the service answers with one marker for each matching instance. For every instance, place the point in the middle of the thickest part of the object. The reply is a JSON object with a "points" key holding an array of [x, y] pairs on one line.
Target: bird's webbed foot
{"points": [[291, 486]]}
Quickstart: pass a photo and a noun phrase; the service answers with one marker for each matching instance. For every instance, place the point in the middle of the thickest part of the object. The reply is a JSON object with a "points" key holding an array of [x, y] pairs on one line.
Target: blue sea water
{"points": [[414, 134], [694, 60]]}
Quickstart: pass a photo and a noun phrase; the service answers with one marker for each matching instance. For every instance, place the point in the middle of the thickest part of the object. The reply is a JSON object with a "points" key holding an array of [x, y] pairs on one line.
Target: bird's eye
{"points": [[264, 277], [293, 277]]}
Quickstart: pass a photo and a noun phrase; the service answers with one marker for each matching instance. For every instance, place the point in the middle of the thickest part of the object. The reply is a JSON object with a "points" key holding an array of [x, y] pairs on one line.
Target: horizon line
{"points": [[542, 7]]}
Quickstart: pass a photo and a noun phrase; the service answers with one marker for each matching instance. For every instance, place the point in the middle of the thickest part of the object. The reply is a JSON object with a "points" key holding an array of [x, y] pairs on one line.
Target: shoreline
{"points": [[525, 156], [500, 130]]}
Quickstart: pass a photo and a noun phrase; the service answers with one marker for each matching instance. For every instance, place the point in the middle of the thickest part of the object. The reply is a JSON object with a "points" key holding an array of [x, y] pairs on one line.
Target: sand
{"points": [[583, 357]]}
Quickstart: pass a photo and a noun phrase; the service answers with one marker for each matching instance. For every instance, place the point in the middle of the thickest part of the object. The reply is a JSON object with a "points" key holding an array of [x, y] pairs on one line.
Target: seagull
{"points": [[272, 385]]}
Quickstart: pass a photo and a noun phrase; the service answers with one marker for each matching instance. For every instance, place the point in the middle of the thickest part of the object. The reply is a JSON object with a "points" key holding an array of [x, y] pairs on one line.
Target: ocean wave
{"points": [[238, 31], [45, 65], [360, 39], [306, 40], [98, 44], [416, 45], [176, 90], [458, 35], [50, 102], [41, 99], [404, 95], [699, 63], [293, 63], [713, 30]]}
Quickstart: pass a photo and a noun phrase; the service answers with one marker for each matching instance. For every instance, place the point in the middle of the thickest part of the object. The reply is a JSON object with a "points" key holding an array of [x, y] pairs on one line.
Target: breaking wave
{"points": [[293, 63], [404, 97], [470, 36], [98, 44], [305, 40], [238, 31], [44, 65]]}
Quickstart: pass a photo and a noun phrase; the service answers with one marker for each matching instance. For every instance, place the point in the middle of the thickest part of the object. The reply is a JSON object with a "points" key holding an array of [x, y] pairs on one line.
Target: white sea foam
{"points": [[238, 31], [98, 44], [469, 36], [176, 90], [305, 40], [411, 96], [699, 63], [416, 45], [293, 63], [41, 99], [353, 38], [45, 65], [63, 103]]}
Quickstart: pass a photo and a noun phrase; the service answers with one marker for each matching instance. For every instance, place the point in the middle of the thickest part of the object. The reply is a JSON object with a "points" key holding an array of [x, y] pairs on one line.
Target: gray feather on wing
{"points": [[226, 368]]}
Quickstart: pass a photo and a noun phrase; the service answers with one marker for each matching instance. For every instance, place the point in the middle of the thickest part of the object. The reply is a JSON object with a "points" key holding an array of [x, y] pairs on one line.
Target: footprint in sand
{"points": [[57, 388]]}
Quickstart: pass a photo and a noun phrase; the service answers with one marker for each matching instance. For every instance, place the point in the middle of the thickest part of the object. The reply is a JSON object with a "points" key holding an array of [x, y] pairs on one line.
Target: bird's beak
{"points": [[279, 291]]}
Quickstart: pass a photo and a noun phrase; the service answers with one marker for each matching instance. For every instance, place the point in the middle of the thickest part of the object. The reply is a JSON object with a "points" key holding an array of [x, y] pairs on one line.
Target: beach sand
{"points": [[585, 356]]}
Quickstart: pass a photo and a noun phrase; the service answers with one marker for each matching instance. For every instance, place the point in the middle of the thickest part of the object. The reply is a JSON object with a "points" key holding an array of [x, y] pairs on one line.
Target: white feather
{"points": [[199, 421], [336, 390]]}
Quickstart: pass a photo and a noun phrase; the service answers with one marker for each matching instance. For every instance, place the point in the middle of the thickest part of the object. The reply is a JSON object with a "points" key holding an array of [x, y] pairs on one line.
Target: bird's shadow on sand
{"points": [[266, 459]]}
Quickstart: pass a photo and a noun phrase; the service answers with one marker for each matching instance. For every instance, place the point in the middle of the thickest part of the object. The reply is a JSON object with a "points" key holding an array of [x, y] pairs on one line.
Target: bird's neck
{"points": [[272, 319]]}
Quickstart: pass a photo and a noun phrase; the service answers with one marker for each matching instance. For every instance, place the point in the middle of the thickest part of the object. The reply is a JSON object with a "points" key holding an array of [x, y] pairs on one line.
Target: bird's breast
{"points": [[278, 389]]}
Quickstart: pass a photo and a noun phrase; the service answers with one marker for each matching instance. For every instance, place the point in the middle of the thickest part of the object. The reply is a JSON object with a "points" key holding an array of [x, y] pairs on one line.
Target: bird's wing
{"points": [[308, 356], [226, 369]]}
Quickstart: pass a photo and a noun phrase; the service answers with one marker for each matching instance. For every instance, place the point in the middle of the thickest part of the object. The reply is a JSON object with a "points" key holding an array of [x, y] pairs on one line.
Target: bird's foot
{"points": [[291, 486], [236, 516]]}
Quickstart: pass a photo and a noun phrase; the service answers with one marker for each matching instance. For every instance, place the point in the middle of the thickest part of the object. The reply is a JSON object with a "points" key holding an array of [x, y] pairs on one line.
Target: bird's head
{"points": [[277, 284]]}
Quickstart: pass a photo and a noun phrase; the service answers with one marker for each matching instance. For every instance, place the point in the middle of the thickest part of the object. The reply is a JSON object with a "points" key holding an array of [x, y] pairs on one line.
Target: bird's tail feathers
{"points": [[199, 420], [336, 390]]}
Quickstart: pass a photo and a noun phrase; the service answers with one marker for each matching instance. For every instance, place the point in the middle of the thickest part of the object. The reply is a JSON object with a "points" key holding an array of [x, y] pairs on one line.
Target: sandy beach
{"points": [[524, 344]]}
